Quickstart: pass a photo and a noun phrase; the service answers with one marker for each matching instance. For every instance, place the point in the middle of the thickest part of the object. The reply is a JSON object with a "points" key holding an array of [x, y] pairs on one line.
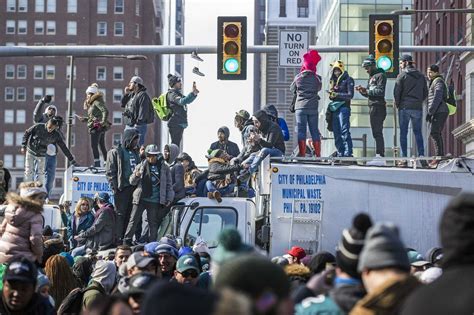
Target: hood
{"points": [[104, 273], [97, 96], [82, 269], [55, 241], [271, 111], [412, 71], [335, 80], [337, 65], [262, 117], [174, 152], [128, 137], [297, 270], [217, 160], [224, 130], [51, 106], [20, 207]]}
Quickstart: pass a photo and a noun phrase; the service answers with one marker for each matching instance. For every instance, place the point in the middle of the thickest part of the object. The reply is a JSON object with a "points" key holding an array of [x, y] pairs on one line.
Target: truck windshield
{"points": [[207, 223]]}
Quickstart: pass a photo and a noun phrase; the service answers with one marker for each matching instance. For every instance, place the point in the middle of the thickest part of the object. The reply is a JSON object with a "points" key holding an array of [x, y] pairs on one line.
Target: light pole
{"points": [[71, 90], [413, 11]]}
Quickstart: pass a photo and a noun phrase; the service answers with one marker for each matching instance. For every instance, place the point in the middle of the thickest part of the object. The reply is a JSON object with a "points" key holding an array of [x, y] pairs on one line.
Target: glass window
{"points": [[355, 24], [71, 6], [8, 162], [50, 72], [118, 6], [20, 116], [22, 5], [117, 118], [39, 6], [137, 7], [58, 183], [101, 74], [72, 28], [117, 95], [282, 8], [38, 72], [11, 5], [303, 8], [281, 75], [73, 94], [68, 71], [19, 138], [51, 6], [73, 139], [21, 71], [8, 139], [49, 91], [22, 27], [118, 28], [118, 73], [9, 93], [50, 27], [9, 71], [116, 138], [9, 116], [11, 27], [19, 159], [37, 93], [137, 30], [21, 94], [101, 28], [102, 6], [281, 96], [39, 27], [357, 10]]}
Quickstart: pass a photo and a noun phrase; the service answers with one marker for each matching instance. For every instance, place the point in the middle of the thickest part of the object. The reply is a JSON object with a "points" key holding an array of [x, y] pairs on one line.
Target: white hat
{"points": [[136, 79], [93, 89]]}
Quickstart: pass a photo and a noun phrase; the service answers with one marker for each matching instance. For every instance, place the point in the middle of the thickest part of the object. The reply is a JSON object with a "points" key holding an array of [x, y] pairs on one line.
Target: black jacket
{"points": [[437, 96], [376, 88], [179, 105], [410, 89], [37, 138], [343, 86], [218, 169], [270, 131], [138, 109], [37, 306], [306, 86]]}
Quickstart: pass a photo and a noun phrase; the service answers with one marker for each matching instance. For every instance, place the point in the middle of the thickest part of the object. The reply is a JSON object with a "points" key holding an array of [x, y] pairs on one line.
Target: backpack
{"points": [[72, 303], [162, 110], [450, 98]]}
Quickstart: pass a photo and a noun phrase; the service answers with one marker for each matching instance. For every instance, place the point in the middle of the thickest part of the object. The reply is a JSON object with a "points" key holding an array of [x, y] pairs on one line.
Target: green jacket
{"points": [[97, 112], [93, 292]]}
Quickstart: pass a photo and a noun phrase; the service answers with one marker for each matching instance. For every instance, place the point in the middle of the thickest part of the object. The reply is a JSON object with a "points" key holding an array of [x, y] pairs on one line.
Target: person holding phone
{"points": [[179, 105]]}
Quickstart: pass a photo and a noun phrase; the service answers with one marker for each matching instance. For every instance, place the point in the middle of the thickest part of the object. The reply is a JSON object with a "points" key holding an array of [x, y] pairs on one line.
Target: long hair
{"points": [[77, 210], [61, 278]]}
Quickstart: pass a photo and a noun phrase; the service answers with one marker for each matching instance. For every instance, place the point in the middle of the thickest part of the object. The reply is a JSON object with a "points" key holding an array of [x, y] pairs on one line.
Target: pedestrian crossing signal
{"points": [[232, 48], [384, 44]]}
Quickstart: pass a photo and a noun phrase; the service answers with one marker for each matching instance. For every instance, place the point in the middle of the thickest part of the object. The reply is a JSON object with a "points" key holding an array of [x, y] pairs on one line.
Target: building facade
{"points": [[25, 80]]}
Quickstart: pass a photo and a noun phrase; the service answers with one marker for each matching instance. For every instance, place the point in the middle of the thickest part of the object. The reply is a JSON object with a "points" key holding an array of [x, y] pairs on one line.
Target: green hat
{"points": [[243, 113], [187, 262], [214, 153], [230, 246]]}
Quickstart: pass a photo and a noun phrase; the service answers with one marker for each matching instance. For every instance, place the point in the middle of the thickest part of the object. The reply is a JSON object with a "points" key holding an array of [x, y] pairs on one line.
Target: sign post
{"points": [[292, 46]]}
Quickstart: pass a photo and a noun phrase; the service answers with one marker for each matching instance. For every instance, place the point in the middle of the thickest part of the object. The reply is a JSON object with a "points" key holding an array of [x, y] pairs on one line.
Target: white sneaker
{"points": [[377, 161]]}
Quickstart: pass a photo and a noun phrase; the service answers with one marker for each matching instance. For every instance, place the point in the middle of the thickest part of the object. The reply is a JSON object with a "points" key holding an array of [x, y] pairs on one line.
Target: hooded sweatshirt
{"points": [[376, 88], [410, 89], [103, 281], [273, 112], [229, 147], [343, 85], [177, 172], [270, 131]]}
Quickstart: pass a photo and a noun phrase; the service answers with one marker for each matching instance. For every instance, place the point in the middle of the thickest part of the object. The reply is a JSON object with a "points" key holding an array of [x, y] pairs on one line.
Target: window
{"points": [[281, 75], [137, 7], [39, 27], [37, 93], [8, 162], [9, 71], [72, 28], [58, 183], [68, 72], [22, 5], [118, 6], [116, 138], [282, 8], [102, 6], [8, 139], [21, 71], [51, 8], [19, 138], [50, 27], [118, 73], [20, 116], [19, 160], [101, 28], [101, 73], [9, 116], [71, 6], [50, 72], [118, 28], [281, 96], [303, 9], [117, 95], [137, 30], [11, 27], [73, 94], [117, 118], [21, 94], [49, 91], [11, 5], [22, 27], [38, 72], [9, 94], [39, 6]]}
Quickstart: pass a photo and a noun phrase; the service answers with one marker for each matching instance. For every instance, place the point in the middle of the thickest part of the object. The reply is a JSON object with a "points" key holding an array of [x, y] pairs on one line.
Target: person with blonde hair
{"points": [[62, 280], [80, 220], [21, 229]]}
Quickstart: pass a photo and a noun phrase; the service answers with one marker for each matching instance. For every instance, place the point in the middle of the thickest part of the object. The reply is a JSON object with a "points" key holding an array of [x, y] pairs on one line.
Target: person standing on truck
{"points": [[4, 182], [170, 154], [154, 193], [375, 92], [409, 93], [121, 162], [223, 142], [35, 145], [179, 106], [97, 121], [138, 110]]}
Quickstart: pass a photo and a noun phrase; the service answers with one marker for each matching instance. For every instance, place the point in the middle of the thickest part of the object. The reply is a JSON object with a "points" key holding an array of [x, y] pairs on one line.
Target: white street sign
{"points": [[292, 46]]}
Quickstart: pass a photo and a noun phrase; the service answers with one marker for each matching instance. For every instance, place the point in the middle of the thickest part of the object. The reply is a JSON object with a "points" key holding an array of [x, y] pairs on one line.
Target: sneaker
{"points": [[217, 196], [196, 71], [194, 55], [402, 163], [377, 161], [210, 195]]}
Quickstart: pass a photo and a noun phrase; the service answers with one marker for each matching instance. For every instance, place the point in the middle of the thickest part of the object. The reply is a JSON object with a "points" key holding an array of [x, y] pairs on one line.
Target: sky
{"points": [[218, 101]]}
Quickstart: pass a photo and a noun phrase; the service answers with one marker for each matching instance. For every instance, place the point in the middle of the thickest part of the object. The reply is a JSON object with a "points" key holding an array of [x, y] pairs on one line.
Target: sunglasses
{"points": [[189, 273]]}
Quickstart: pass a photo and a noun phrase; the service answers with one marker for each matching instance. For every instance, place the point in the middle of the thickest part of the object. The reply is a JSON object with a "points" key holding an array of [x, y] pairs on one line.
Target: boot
{"points": [[96, 163], [317, 148], [301, 148], [217, 196], [210, 195]]}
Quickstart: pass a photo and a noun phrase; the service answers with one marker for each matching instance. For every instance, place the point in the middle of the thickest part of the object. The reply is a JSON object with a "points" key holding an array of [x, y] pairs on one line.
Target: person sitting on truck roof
{"points": [[191, 172], [81, 220], [272, 113], [242, 121], [221, 179], [223, 142]]}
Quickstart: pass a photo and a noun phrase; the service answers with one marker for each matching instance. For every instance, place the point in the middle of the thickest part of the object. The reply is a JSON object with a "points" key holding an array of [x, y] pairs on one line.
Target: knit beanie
{"points": [[351, 244], [310, 61], [457, 230], [230, 246], [319, 261], [68, 257], [225, 131], [93, 89], [383, 249], [173, 79]]}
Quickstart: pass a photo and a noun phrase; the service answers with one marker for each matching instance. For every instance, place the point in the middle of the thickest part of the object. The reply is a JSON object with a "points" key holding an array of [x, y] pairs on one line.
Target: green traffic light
{"points": [[231, 65], [384, 63]]}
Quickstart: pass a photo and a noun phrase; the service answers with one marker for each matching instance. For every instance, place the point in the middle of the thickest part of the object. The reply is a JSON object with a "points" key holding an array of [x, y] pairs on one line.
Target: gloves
{"points": [[429, 118], [47, 99]]}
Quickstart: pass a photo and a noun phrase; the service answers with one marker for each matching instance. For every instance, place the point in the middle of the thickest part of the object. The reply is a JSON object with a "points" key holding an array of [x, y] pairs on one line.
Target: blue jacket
{"points": [[343, 86], [85, 222]]}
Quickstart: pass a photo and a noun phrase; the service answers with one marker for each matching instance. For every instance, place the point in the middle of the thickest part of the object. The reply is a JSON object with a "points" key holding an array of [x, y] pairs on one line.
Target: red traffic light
{"points": [[231, 30], [384, 46], [231, 48], [384, 29]]}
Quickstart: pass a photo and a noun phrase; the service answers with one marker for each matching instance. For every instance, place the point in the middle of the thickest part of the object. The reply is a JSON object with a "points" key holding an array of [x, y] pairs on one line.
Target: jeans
{"points": [[30, 162], [155, 214], [437, 125], [176, 134], [304, 118], [227, 190], [123, 208], [141, 132], [79, 251], [341, 129], [404, 117], [50, 172], [201, 190], [255, 159], [98, 142], [377, 117]]}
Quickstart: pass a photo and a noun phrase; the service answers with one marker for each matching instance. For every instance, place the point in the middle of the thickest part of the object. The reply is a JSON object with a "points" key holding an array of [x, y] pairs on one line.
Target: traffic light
{"points": [[383, 36], [232, 48]]}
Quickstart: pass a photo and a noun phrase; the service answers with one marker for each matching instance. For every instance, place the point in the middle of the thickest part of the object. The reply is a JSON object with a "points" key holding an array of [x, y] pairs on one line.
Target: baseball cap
{"points": [[166, 249], [187, 262], [243, 113], [103, 196], [136, 79], [21, 269], [140, 283], [138, 260], [406, 58], [297, 252]]}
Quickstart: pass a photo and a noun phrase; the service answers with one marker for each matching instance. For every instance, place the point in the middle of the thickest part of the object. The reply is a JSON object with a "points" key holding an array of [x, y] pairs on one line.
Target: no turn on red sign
{"points": [[292, 46]]}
